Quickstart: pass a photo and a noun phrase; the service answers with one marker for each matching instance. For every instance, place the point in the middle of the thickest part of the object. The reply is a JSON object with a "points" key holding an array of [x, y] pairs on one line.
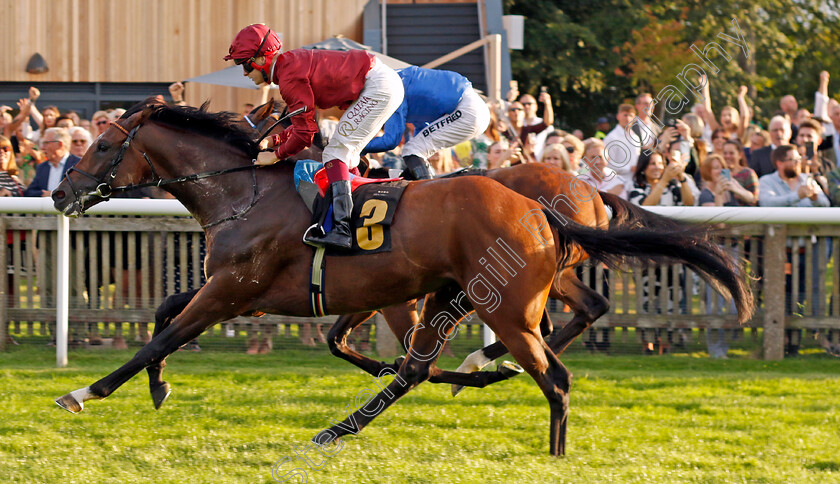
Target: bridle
{"points": [[104, 190]]}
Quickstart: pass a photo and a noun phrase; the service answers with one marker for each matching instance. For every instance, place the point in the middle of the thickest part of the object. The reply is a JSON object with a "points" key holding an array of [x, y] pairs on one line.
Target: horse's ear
{"points": [[142, 116], [264, 111]]}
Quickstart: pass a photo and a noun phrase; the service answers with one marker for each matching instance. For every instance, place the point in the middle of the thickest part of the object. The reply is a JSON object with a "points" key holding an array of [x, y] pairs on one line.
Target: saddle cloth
{"points": [[375, 201]]}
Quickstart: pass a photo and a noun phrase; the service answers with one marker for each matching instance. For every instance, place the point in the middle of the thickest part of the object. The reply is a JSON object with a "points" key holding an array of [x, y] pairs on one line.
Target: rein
{"points": [[280, 120], [104, 189]]}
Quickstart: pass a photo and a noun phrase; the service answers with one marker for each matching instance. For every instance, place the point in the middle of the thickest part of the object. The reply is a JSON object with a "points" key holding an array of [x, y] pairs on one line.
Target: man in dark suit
{"points": [[56, 147], [760, 160]]}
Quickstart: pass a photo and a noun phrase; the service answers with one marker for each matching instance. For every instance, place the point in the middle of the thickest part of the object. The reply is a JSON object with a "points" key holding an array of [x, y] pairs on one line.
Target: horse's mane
{"points": [[222, 125]]}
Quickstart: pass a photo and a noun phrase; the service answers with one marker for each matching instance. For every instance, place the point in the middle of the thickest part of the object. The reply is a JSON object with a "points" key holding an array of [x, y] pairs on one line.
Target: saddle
{"points": [[375, 201], [311, 182]]}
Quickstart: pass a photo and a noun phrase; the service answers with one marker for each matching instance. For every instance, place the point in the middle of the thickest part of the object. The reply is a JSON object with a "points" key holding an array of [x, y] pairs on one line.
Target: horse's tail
{"points": [[627, 215], [659, 240]]}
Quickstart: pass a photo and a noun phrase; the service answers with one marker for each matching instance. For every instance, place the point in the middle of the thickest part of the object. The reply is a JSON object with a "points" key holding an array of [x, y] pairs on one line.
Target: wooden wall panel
{"points": [[157, 40]]}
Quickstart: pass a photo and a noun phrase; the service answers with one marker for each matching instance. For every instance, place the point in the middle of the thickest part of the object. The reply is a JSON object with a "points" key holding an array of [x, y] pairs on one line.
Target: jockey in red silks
{"points": [[353, 80]]}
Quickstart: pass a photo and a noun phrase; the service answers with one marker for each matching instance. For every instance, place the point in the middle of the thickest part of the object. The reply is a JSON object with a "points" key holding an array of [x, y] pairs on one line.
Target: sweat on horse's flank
{"points": [[232, 416]]}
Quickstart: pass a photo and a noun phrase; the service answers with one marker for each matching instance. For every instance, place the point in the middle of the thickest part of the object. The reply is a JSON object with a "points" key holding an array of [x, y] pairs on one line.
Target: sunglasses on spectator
{"points": [[570, 149], [100, 123], [527, 104], [80, 141], [515, 109]]}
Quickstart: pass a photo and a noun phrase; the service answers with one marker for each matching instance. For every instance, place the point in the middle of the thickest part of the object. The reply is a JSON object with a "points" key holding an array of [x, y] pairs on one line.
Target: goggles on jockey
{"points": [[248, 64]]}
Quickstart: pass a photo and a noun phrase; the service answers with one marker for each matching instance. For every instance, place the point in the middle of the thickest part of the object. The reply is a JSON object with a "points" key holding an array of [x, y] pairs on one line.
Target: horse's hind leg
{"points": [[210, 306], [477, 360], [337, 341], [401, 318], [416, 368], [166, 312], [587, 305]]}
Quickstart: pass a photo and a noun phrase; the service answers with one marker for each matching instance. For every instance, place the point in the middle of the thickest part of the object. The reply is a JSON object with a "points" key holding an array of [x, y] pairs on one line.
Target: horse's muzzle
{"points": [[64, 204]]}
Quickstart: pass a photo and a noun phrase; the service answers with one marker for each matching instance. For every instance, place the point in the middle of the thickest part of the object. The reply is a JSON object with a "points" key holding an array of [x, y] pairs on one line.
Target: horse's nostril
{"points": [[58, 195]]}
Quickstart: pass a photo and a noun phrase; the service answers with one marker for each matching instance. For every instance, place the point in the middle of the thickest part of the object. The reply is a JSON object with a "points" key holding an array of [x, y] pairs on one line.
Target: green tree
{"points": [[571, 48], [594, 55]]}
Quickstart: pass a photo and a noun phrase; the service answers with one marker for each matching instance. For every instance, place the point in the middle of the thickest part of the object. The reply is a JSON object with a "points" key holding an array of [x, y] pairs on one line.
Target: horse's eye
{"points": [[102, 147]]}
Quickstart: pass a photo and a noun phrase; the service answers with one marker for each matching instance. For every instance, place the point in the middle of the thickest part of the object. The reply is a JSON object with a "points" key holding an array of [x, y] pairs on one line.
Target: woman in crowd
{"points": [[99, 123], [742, 181], [718, 139], [501, 155], [80, 141], [599, 174], [575, 148], [655, 184], [718, 188], [733, 121], [557, 154], [45, 119], [10, 186]]}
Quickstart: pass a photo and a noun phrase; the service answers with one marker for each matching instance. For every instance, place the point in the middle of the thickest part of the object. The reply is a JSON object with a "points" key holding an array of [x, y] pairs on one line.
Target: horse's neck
{"points": [[230, 195]]}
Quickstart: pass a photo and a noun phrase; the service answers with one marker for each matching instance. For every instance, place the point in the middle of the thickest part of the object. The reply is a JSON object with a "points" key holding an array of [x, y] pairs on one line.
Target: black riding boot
{"points": [[342, 203], [419, 168]]}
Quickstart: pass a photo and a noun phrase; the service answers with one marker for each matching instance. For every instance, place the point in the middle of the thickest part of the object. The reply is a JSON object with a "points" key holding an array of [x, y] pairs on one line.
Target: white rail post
{"points": [[62, 291]]}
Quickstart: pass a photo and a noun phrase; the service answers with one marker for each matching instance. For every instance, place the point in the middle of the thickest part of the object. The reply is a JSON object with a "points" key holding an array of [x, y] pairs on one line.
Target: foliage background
{"points": [[596, 54]]}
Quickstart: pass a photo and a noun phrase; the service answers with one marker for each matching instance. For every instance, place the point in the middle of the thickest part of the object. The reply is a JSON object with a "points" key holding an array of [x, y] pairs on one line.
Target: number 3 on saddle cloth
{"points": [[374, 204]]}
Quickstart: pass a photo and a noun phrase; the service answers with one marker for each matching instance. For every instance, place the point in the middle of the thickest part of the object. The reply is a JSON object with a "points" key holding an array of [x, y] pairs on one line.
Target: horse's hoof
{"points": [[160, 394], [74, 402], [509, 369]]}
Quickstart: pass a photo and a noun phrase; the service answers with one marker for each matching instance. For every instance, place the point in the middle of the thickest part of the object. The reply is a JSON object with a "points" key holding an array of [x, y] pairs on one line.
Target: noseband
{"points": [[104, 190]]}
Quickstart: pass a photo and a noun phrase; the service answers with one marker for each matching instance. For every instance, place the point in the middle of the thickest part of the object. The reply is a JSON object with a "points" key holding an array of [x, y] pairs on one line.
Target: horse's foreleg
{"points": [[166, 312], [424, 349], [209, 307]]}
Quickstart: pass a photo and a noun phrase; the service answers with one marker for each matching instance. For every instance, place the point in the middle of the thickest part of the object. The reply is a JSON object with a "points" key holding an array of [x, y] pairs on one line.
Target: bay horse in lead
{"points": [[256, 261]]}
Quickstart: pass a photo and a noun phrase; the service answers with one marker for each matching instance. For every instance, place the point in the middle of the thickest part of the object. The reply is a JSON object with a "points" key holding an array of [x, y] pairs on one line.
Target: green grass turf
{"points": [[232, 416]]}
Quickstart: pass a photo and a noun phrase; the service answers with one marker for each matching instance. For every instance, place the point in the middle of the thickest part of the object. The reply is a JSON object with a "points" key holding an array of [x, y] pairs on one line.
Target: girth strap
{"points": [[316, 283]]}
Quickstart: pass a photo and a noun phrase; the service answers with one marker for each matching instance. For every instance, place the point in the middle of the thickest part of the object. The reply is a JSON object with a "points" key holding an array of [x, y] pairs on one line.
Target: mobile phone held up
{"points": [[725, 173]]}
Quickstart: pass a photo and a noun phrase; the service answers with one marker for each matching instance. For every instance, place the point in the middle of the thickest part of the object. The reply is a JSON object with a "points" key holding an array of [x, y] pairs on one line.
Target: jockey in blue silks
{"points": [[445, 109]]}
